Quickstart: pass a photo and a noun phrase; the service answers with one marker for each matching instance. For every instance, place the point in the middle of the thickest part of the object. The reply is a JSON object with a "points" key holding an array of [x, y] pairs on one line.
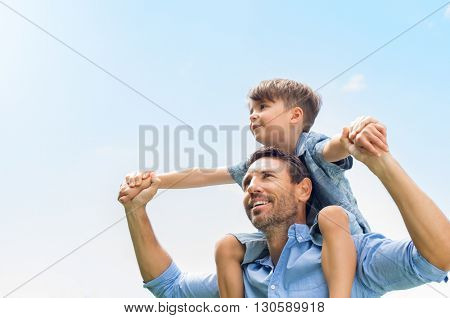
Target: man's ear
{"points": [[303, 190], [296, 115]]}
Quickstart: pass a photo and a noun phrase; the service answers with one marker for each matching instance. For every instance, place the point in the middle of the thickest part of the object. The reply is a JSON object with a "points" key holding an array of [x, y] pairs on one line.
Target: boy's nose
{"points": [[253, 117]]}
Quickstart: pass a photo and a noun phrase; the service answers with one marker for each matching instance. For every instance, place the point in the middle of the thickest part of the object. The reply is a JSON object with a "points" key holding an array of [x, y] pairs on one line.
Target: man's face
{"points": [[269, 121], [269, 198]]}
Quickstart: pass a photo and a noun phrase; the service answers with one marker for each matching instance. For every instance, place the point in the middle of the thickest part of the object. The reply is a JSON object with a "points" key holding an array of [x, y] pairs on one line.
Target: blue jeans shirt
{"points": [[383, 265], [330, 186]]}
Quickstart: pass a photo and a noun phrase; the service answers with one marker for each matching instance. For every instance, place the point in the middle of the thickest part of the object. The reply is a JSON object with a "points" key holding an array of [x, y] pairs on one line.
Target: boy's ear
{"points": [[303, 190], [296, 115]]}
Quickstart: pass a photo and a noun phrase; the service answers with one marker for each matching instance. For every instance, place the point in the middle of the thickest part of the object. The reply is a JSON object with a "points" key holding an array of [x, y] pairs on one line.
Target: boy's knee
{"points": [[333, 217], [228, 247]]}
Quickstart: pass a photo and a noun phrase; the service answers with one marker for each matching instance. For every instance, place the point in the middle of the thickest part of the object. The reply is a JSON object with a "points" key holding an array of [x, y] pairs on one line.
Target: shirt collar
{"points": [[298, 231], [301, 144]]}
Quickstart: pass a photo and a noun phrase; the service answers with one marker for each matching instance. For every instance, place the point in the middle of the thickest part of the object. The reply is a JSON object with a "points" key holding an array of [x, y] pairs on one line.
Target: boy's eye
{"points": [[262, 106]]}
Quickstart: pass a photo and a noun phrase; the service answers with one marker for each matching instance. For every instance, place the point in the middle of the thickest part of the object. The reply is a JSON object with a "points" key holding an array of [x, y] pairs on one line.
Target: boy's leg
{"points": [[338, 251], [229, 255]]}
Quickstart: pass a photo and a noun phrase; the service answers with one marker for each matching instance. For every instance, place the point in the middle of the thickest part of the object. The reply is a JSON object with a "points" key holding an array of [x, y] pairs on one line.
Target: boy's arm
{"points": [[194, 178], [190, 178], [334, 151], [369, 133]]}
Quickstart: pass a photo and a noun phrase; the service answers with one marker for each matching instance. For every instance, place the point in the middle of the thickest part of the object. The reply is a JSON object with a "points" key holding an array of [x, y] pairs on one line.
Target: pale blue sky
{"points": [[70, 132]]}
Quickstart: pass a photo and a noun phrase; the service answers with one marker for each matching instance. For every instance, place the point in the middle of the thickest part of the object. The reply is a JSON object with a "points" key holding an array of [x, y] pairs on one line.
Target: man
{"points": [[291, 264]]}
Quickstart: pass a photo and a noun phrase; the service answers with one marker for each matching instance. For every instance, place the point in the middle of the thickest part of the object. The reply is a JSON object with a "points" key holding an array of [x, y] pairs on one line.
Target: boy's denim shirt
{"points": [[330, 186]]}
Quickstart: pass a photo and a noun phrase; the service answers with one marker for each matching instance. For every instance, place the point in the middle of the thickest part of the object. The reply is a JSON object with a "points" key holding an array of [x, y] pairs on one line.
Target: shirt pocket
{"points": [[306, 275]]}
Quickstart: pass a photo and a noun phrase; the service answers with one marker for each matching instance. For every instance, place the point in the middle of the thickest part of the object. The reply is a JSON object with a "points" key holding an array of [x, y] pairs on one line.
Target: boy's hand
{"points": [[135, 179], [127, 193]]}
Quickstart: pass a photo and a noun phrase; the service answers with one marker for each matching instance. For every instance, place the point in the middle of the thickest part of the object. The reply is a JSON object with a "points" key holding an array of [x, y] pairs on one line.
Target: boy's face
{"points": [[269, 121]]}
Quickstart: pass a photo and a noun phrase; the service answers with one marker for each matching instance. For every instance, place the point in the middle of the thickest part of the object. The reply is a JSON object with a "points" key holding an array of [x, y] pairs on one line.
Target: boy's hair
{"points": [[297, 169], [292, 94]]}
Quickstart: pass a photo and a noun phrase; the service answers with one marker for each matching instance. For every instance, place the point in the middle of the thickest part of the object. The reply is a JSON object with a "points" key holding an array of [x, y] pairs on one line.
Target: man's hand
{"points": [[359, 150], [134, 183], [369, 134], [359, 123], [133, 198]]}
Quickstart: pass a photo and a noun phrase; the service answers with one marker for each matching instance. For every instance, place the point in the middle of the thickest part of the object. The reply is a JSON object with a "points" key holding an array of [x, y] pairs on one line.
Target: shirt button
{"points": [[272, 287]]}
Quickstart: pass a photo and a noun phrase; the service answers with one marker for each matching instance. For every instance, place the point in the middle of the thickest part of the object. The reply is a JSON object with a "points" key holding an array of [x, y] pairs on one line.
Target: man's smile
{"points": [[257, 209], [257, 204]]}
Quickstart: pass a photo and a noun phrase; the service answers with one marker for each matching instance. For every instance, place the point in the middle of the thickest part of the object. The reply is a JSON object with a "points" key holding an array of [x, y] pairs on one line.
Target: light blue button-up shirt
{"points": [[383, 265]]}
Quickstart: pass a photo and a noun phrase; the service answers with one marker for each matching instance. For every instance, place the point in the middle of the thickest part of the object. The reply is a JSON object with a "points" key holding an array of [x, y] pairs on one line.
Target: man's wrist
{"points": [[135, 210], [380, 165]]}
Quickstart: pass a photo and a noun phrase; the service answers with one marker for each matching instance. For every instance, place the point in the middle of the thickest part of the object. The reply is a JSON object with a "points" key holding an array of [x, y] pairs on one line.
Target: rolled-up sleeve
{"points": [[238, 172], [385, 265], [173, 283], [330, 168]]}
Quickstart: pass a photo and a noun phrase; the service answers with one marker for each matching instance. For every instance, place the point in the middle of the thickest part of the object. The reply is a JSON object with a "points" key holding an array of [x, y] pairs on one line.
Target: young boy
{"points": [[281, 115]]}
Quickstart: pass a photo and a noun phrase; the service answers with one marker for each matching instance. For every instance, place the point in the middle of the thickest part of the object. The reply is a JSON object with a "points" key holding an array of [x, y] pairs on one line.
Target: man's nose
{"points": [[254, 186]]}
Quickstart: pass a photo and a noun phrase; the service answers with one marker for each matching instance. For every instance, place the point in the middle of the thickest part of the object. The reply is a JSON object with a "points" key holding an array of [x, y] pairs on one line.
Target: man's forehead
{"points": [[267, 164]]}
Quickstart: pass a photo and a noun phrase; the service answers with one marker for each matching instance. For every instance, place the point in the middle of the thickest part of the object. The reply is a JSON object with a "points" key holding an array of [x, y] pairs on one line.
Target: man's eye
{"points": [[266, 175]]}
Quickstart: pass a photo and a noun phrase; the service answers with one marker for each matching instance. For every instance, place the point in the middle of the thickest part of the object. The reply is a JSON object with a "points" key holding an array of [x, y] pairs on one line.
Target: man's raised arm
{"points": [[427, 225], [153, 260], [160, 274]]}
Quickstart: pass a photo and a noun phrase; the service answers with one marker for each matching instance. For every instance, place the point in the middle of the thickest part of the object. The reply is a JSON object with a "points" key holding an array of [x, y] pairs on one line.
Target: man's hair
{"points": [[292, 94], [297, 169]]}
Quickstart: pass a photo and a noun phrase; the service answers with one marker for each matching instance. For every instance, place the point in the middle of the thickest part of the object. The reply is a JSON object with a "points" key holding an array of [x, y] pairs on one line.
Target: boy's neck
{"points": [[289, 144], [288, 147]]}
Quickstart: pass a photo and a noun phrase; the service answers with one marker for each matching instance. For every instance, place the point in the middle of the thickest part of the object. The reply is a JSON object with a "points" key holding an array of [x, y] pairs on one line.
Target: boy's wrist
{"points": [[343, 145]]}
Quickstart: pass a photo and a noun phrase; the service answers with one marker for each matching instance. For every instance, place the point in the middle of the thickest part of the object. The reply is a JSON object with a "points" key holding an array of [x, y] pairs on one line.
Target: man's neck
{"points": [[277, 236], [276, 240]]}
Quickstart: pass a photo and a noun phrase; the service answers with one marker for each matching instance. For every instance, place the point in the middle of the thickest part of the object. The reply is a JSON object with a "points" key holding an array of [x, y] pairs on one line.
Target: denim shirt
{"points": [[383, 265], [330, 186]]}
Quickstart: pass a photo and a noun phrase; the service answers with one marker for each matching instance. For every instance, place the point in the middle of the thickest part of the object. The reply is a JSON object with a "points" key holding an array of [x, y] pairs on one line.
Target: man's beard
{"points": [[283, 213]]}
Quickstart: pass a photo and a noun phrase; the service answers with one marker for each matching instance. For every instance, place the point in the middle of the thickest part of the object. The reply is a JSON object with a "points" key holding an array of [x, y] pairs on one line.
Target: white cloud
{"points": [[355, 84], [447, 12]]}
